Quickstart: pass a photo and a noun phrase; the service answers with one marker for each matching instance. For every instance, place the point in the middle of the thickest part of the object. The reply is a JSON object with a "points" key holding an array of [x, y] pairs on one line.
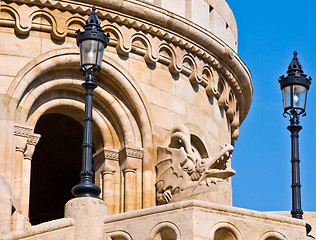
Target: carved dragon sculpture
{"points": [[181, 167]]}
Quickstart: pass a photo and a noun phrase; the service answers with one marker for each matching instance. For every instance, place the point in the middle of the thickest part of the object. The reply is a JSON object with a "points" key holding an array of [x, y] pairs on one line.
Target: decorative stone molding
{"points": [[103, 155], [21, 136], [33, 139], [111, 155], [131, 152], [129, 171], [22, 131], [203, 55]]}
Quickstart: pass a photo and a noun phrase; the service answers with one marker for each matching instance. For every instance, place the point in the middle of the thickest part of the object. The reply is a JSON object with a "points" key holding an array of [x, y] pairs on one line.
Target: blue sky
{"points": [[269, 32]]}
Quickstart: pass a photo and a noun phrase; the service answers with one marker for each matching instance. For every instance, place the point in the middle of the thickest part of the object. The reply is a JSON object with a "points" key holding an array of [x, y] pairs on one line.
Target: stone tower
{"points": [[170, 99]]}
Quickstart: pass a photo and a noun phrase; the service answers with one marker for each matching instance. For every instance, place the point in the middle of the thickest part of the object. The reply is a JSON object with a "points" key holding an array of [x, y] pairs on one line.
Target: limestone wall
{"points": [[213, 15], [170, 99], [168, 81]]}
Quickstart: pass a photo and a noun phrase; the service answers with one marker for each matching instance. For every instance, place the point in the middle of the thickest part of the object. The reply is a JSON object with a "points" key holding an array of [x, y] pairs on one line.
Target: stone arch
{"points": [[165, 231], [51, 84], [273, 236], [118, 235], [225, 231]]}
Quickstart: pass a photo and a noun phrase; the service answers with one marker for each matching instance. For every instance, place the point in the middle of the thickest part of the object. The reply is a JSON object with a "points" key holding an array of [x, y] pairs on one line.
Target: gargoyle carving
{"points": [[180, 166]]}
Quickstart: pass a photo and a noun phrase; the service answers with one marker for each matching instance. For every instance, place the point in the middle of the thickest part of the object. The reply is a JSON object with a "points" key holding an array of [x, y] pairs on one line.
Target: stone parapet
{"points": [[57, 229], [194, 219]]}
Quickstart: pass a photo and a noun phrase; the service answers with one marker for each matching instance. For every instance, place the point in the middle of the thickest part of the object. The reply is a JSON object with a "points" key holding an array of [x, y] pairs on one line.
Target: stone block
{"points": [[175, 104], [11, 65], [139, 70], [5, 82], [12, 45], [185, 90], [88, 214], [162, 79], [163, 117], [154, 95], [175, 6]]}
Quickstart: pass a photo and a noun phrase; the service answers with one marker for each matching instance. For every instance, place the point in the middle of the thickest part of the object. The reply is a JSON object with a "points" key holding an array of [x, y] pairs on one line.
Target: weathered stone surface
{"points": [[168, 64], [88, 214]]}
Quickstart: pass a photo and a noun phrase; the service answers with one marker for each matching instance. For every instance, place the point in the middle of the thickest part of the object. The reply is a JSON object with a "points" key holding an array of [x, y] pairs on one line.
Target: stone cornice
{"points": [[180, 38]]}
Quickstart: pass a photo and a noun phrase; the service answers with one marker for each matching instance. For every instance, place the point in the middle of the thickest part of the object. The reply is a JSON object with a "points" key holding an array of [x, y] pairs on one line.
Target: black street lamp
{"points": [[92, 42], [294, 87]]}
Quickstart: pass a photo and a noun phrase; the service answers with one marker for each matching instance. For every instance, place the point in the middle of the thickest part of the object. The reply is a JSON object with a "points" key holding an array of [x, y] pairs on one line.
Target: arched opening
{"points": [[224, 234], [166, 234], [56, 165]]}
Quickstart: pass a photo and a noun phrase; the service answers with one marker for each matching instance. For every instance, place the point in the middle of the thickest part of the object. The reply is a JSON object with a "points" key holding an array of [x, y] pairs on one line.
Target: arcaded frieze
{"points": [[184, 47]]}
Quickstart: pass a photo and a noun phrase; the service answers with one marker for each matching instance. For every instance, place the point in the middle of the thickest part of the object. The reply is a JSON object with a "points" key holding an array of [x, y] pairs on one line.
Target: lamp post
{"points": [[294, 87], [92, 42]]}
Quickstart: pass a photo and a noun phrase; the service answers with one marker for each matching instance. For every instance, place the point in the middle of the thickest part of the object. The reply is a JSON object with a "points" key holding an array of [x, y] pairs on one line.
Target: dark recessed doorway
{"points": [[56, 165]]}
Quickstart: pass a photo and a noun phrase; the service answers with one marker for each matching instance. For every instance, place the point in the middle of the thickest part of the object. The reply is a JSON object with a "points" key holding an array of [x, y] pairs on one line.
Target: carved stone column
{"points": [[131, 165], [130, 197], [21, 134], [26, 173], [108, 190], [107, 165]]}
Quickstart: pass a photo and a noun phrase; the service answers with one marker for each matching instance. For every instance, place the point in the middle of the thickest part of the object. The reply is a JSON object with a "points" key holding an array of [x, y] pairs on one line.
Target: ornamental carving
{"points": [[129, 34], [143, 37], [111, 155], [131, 152], [33, 139], [181, 171], [22, 131]]}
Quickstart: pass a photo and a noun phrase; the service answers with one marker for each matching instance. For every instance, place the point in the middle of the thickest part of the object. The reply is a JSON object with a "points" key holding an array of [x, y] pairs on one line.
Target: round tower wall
{"points": [[213, 15]]}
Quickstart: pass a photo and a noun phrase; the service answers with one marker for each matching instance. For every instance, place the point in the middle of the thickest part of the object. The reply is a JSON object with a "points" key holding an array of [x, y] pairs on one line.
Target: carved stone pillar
{"points": [[107, 165], [130, 201], [26, 173], [20, 139], [131, 165], [108, 189]]}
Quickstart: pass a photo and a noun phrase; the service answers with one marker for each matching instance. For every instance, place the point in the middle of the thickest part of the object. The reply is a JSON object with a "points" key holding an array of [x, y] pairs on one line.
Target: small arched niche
{"points": [[118, 238], [166, 234], [224, 234]]}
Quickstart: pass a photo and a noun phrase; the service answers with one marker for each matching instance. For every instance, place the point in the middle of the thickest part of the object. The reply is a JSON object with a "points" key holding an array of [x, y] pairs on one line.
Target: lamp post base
{"points": [[86, 189]]}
